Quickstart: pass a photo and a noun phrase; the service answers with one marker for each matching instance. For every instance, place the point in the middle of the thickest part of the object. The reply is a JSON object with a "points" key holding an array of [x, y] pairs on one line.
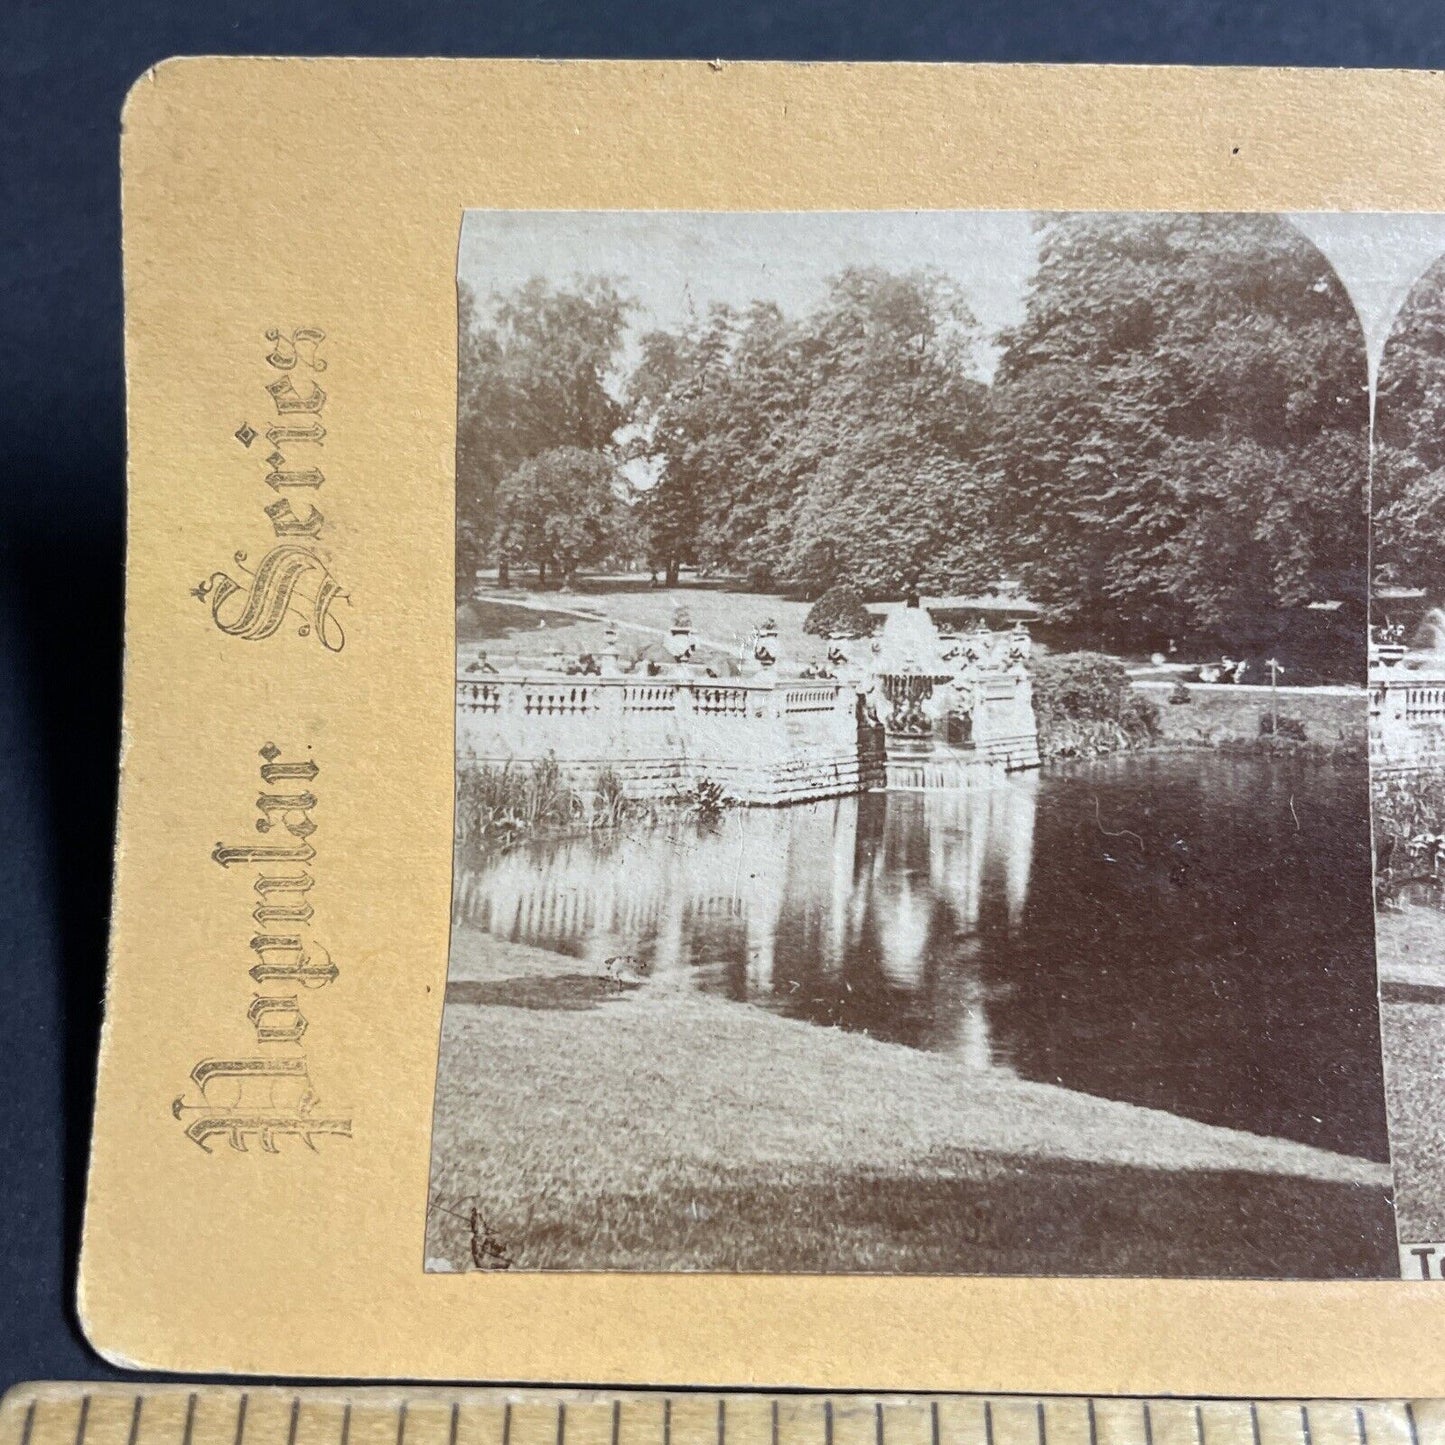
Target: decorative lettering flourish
{"points": [[292, 578], [274, 585], [245, 1094]]}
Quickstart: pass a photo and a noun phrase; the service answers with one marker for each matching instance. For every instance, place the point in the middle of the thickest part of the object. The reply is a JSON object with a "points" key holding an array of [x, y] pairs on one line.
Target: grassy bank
{"points": [[1410, 942], [1317, 722], [1088, 707], [655, 1127], [1414, 1039]]}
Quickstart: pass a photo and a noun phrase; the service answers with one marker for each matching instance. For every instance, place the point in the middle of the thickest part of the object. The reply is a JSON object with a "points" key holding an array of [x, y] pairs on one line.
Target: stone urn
{"points": [[765, 646], [680, 641], [609, 659]]}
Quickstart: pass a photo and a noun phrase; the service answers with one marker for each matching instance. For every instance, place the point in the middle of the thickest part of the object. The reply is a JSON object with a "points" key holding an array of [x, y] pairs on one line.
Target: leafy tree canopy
{"points": [[558, 510], [1174, 439], [1409, 472], [536, 371], [1180, 424], [840, 444]]}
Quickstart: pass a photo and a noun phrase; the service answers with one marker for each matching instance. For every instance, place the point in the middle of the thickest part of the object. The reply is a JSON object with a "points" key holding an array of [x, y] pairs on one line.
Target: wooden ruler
{"points": [[79, 1414]]}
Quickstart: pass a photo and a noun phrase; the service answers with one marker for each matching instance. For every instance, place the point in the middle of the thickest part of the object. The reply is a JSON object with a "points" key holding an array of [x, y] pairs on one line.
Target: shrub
{"points": [[839, 612], [609, 804], [1079, 686], [1179, 693], [1086, 706], [1140, 720], [1292, 728]]}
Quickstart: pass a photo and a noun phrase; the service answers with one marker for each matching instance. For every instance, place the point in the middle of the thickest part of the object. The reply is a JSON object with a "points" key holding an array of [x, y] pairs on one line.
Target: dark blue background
{"points": [[64, 71]]}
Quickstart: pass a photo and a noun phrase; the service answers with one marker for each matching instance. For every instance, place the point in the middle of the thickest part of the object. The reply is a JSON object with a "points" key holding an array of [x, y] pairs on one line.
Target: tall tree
{"points": [[536, 371], [1181, 425], [843, 443], [1409, 472], [663, 392], [892, 441], [558, 510], [714, 404]]}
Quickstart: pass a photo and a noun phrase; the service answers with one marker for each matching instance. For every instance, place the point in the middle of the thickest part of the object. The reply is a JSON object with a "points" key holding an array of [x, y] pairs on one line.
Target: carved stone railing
{"points": [[1407, 717], [1425, 702], [649, 697], [721, 701], [816, 697], [478, 697], [763, 739], [552, 699]]}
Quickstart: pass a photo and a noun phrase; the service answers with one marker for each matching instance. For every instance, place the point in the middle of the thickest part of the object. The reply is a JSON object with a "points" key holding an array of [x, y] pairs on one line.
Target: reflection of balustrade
{"points": [[787, 902]]}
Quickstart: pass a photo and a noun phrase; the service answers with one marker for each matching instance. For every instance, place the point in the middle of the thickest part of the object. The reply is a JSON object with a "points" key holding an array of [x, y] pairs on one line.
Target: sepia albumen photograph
{"points": [[919, 680]]}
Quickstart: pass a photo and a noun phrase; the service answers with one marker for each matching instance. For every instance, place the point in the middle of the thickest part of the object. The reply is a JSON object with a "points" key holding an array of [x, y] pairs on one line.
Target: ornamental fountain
{"points": [[948, 704], [910, 709]]}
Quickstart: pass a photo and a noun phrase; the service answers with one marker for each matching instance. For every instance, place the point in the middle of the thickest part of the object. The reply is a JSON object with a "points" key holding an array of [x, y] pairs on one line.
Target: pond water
{"points": [[1186, 931]]}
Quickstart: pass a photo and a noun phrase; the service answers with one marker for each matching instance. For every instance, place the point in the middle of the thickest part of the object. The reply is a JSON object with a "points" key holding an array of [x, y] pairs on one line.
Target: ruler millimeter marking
{"points": [[78, 1414]]}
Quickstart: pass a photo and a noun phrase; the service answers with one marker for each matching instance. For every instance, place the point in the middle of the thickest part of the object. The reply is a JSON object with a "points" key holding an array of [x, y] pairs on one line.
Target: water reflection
{"points": [[1193, 934], [859, 912]]}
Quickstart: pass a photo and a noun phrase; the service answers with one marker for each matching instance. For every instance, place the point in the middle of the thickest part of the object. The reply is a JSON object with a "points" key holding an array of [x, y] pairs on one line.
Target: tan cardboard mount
{"points": [[295, 196]]}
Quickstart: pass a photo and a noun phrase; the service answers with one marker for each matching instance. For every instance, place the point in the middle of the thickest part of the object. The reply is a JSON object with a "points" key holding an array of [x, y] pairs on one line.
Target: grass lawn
{"points": [[1410, 943], [1414, 1035], [653, 1127], [520, 621]]}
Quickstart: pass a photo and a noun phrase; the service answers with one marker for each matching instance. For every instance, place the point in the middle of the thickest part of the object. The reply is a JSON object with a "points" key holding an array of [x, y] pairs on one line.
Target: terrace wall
{"points": [[764, 740], [1407, 721]]}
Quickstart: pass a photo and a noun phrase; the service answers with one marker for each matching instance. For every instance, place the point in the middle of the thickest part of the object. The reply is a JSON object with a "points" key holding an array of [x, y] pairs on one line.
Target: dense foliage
{"points": [[1181, 425], [532, 378], [845, 443], [558, 510], [1086, 706], [496, 805], [1173, 438], [1406, 806], [1407, 813], [1409, 475], [839, 612]]}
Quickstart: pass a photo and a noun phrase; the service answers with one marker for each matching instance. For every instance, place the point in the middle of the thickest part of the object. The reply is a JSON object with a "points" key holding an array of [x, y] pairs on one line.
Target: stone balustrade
{"points": [[1407, 719], [764, 739], [765, 736]]}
